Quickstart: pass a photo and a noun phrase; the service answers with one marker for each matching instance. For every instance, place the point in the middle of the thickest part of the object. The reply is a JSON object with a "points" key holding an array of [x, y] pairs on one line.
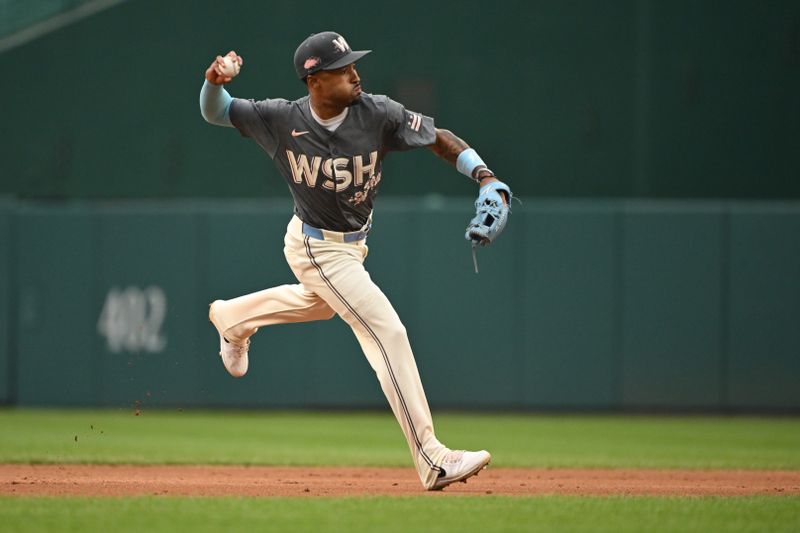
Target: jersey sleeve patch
{"points": [[414, 120], [407, 129]]}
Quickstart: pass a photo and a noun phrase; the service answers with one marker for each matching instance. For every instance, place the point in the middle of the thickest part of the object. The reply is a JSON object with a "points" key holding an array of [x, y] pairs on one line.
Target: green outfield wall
{"points": [[578, 98], [580, 305], [6, 326]]}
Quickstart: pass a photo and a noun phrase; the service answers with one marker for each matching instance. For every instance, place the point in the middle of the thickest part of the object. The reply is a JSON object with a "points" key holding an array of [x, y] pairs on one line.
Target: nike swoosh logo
{"points": [[296, 133]]}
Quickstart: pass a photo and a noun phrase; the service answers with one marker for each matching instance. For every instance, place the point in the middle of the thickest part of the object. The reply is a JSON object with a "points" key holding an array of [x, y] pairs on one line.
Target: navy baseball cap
{"points": [[324, 51]]}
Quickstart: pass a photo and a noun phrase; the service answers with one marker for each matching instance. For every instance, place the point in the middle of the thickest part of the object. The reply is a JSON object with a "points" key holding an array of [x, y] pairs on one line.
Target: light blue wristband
{"points": [[468, 161]]}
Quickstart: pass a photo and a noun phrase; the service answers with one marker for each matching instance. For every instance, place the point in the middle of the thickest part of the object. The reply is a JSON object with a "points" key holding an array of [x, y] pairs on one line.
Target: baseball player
{"points": [[329, 147]]}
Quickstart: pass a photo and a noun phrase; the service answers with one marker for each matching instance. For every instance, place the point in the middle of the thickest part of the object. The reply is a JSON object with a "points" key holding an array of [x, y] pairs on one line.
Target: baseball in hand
{"points": [[229, 67]]}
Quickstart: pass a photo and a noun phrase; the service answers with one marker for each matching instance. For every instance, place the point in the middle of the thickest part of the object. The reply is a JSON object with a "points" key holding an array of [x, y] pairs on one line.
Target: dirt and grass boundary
{"points": [[271, 481]]}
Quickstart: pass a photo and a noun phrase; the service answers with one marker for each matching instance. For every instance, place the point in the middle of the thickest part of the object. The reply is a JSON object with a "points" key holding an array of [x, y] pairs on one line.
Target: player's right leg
{"points": [[335, 272], [238, 319]]}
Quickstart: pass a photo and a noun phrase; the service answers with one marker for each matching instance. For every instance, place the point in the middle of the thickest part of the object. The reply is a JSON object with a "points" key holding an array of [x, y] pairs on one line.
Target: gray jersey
{"points": [[333, 176]]}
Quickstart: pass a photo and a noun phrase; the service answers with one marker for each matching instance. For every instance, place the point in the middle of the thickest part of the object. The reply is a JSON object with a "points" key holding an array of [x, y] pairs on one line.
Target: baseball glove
{"points": [[491, 214]]}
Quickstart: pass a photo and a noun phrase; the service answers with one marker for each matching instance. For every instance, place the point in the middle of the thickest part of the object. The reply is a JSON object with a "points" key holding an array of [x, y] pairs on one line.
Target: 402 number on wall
{"points": [[132, 318]]}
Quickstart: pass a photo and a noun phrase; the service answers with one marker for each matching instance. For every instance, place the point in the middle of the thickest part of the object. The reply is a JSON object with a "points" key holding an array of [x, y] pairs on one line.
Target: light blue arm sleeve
{"points": [[215, 104]]}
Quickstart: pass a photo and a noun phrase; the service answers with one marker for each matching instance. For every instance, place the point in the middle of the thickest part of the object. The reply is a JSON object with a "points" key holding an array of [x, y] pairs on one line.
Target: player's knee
{"points": [[396, 333]]}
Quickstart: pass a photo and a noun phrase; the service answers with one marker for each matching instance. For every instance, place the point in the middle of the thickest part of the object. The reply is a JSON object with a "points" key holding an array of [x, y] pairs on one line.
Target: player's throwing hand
{"points": [[224, 68]]}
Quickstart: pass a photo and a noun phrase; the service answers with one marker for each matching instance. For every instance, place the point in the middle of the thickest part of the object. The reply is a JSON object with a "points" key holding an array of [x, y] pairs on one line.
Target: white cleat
{"points": [[234, 356], [459, 465]]}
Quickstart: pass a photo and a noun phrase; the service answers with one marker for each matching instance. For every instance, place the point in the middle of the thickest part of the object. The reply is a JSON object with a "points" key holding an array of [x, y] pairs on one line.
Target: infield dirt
{"points": [[127, 480]]}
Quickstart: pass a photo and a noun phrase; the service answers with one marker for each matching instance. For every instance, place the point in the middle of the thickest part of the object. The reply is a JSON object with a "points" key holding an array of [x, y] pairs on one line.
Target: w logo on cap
{"points": [[319, 51], [340, 44]]}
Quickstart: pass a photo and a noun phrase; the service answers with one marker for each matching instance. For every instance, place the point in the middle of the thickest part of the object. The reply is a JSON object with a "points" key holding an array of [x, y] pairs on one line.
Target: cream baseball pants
{"points": [[333, 281]]}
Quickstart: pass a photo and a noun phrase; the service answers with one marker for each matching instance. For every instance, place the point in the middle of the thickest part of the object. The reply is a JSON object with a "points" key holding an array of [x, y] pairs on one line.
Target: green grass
{"points": [[170, 436], [424, 513], [173, 437]]}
